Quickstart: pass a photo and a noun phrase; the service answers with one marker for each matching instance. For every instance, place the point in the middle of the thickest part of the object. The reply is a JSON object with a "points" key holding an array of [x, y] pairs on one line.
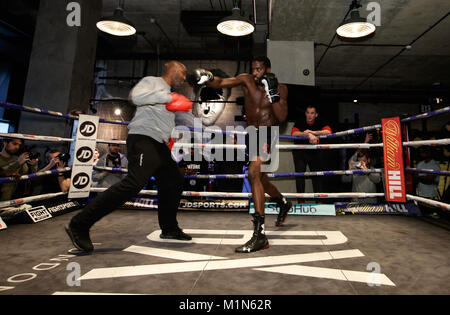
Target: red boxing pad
{"points": [[179, 103]]}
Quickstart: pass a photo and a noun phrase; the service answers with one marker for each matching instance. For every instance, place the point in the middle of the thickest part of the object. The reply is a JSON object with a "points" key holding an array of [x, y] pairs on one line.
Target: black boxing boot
{"points": [[177, 234], [284, 207], [259, 240], [79, 237]]}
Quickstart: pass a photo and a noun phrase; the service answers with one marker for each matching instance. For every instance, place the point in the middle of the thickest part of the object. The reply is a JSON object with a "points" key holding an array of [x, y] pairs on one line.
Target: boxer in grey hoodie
{"points": [[148, 155]]}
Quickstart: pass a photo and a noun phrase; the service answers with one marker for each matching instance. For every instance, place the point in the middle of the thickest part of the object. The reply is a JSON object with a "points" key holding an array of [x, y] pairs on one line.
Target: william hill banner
{"points": [[393, 160]]}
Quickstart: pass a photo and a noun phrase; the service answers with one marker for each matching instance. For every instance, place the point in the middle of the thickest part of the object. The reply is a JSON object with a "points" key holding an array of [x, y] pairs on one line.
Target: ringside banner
{"points": [[408, 208], [37, 214], [393, 160], [80, 182], [141, 203], [299, 209], [213, 205], [190, 204]]}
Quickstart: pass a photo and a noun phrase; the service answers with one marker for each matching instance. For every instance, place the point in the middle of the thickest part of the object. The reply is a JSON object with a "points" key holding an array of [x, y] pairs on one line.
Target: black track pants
{"points": [[146, 158]]}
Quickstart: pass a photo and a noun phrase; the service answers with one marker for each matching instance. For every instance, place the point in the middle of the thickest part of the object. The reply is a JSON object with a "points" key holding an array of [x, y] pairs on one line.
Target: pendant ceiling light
{"points": [[235, 24], [117, 24], [355, 27]]}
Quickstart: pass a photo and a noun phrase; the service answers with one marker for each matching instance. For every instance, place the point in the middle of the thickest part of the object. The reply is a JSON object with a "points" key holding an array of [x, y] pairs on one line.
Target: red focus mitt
{"points": [[179, 103], [171, 143]]}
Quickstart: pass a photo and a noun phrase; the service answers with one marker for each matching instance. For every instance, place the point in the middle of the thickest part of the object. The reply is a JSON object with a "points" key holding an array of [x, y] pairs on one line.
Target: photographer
{"points": [[364, 183], [54, 183], [15, 166]]}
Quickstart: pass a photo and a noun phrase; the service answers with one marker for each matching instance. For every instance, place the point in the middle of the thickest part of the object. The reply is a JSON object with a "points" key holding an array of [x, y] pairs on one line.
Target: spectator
{"points": [[311, 127], [13, 165], [427, 184], [54, 183], [94, 171], [364, 183], [113, 159], [96, 156]]}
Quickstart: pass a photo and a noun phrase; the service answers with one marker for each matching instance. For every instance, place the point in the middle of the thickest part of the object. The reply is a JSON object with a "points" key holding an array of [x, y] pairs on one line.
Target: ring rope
{"points": [[280, 175], [240, 176], [35, 137], [431, 202], [427, 115], [315, 146], [434, 203], [333, 135], [240, 146], [16, 202], [418, 170], [56, 114], [112, 141], [283, 175], [245, 195], [346, 132], [249, 195], [34, 175], [229, 176], [286, 137]]}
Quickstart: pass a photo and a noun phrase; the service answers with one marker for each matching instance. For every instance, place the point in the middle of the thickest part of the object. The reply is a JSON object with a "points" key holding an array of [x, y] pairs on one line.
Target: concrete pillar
{"points": [[61, 66]]}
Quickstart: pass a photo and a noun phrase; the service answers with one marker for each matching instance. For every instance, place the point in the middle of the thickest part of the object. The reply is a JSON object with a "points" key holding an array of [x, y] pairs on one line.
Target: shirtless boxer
{"points": [[265, 105]]}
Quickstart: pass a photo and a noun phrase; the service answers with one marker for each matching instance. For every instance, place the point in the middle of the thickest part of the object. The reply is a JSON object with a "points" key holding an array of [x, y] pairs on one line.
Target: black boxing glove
{"points": [[199, 77], [270, 82]]}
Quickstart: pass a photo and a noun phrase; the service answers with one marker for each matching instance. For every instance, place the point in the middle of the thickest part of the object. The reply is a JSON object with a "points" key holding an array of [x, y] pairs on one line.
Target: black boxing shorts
{"points": [[260, 142]]}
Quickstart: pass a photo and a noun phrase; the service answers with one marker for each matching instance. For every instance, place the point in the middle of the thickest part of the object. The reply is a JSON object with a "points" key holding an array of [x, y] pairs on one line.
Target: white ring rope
{"points": [[434, 203], [35, 137], [232, 146], [16, 202], [249, 195], [431, 202]]}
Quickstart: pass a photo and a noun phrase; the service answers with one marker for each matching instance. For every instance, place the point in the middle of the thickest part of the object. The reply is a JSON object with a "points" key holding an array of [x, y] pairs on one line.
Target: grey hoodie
{"points": [[152, 119]]}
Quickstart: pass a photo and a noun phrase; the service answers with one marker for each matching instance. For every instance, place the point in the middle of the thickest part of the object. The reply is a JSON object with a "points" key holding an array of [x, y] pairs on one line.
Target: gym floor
{"points": [[345, 255]]}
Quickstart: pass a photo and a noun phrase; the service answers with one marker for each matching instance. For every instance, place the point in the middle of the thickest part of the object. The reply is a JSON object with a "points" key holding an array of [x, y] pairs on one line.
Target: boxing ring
{"points": [[310, 254]]}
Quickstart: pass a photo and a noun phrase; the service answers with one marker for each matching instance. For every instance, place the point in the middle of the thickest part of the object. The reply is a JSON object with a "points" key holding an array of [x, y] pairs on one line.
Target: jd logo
{"points": [[87, 129], [84, 154], [81, 180]]}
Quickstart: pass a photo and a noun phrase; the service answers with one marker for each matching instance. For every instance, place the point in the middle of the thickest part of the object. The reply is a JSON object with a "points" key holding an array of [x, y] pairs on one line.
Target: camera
{"points": [[357, 164], [33, 155], [64, 157]]}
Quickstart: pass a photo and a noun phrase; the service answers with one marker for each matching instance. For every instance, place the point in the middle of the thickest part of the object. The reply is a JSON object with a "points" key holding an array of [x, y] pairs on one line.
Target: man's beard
{"points": [[11, 152]]}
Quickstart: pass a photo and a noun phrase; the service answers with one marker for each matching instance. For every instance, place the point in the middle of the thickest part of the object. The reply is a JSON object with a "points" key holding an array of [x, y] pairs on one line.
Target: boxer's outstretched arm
{"points": [[244, 80], [219, 83], [146, 92]]}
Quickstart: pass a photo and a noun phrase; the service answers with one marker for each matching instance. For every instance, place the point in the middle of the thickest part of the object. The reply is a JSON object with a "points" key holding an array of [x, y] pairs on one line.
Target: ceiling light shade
{"points": [[235, 24], [117, 24], [355, 26]]}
